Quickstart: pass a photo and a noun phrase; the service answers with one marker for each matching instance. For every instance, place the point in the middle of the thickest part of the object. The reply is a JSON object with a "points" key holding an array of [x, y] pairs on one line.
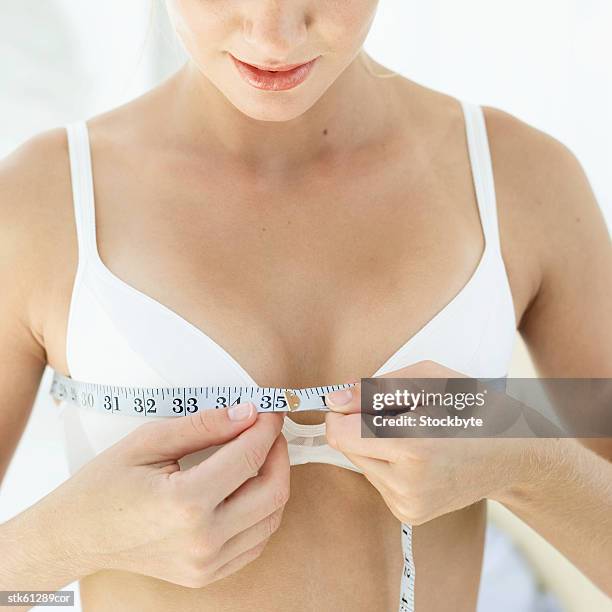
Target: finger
{"points": [[235, 462], [245, 540], [238, 563], [390, 500], [428, 374], [377, 472], [373, 469], [343, 432], [346, 401], [258, 497], [173, 438]]}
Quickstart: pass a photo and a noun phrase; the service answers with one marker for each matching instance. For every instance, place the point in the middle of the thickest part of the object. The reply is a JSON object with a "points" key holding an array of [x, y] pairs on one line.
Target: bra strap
{"points": [[478, 147], [482, 171], [82, 188]]}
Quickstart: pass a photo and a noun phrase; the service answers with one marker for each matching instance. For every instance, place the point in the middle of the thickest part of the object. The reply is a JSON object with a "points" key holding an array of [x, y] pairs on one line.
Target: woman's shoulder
{"points": [[542, 191], [34, 178], [38, 244], [35, 208], [32, 175], [32, 162], [537, 175], [528, 151], [546, 205]]}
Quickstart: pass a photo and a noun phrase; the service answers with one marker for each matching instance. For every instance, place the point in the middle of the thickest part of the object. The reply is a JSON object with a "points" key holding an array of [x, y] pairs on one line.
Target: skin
{"points": [[190, 538], [345, 159], [422, 479]]}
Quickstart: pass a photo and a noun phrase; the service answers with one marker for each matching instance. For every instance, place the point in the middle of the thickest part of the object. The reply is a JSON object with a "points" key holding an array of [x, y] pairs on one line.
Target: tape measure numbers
{"points": [[183, 401]]}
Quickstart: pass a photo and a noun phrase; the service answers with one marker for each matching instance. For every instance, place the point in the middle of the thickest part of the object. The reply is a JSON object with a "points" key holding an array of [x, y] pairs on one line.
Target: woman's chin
{"points": [[270, 109]]}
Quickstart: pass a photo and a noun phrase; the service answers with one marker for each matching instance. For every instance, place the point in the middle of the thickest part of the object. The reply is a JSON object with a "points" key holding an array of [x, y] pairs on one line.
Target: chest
{"points": [[314, 277], [305, 269]]}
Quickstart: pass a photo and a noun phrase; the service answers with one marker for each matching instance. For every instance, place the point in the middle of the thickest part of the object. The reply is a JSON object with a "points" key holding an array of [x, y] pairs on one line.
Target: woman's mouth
{"points": [[275, 80]]}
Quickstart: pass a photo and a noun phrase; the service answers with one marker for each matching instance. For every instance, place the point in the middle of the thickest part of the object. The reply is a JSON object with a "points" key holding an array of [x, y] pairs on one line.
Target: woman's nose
{"points": [[275, 29]]}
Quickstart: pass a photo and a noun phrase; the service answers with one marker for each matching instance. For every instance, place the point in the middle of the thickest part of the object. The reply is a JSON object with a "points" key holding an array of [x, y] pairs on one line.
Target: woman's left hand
{"points": [[423, 478]]}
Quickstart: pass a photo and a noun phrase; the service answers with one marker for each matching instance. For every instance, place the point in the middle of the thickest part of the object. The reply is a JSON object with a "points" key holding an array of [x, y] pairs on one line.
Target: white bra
{"points": [[112, 325]]}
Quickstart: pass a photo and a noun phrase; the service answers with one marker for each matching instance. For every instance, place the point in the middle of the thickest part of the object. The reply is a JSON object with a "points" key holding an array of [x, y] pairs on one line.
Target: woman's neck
{"points": [[356, 110]]}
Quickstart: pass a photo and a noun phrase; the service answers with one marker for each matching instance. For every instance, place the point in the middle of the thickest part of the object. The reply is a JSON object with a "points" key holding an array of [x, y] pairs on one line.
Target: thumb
{"points": [[173, 438]]}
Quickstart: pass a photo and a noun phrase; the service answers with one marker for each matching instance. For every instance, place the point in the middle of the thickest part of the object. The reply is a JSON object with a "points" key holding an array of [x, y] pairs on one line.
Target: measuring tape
{"points": [[183, 401]]}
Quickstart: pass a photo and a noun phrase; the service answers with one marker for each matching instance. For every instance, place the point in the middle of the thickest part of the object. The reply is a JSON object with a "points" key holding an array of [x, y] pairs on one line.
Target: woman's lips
{"points": [[276, 81]]}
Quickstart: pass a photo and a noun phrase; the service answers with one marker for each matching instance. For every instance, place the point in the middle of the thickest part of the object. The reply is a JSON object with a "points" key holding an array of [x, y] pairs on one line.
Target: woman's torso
{"points": [[313, 279]]}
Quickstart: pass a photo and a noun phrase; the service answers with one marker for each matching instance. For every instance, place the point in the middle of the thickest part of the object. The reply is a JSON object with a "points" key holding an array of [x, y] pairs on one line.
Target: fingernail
{"points": [[240, 412], [339, 398]]}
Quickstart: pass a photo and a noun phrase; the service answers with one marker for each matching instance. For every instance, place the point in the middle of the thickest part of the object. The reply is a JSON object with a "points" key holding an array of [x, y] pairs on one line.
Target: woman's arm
{"points": [[34, 555], [567, 493], [547, 203], [563, 261], [36, 549], [130, 507], [22, 356]]}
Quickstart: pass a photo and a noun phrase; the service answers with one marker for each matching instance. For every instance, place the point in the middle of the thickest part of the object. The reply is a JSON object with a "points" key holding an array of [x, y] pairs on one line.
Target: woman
{"points": [[300, 219]]}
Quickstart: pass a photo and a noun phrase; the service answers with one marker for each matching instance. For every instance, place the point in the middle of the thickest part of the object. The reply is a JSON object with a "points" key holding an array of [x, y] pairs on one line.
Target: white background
{"points": [[547, 62]]}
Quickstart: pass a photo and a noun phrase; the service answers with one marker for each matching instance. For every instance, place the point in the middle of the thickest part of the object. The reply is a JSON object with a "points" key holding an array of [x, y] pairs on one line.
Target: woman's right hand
{"points": [[136, 510]]}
